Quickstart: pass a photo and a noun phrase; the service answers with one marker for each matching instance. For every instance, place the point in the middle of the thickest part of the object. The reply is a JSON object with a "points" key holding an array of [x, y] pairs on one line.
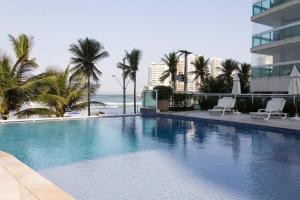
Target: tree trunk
{"points": [[174, 82], [89, 95], [134, 95]]}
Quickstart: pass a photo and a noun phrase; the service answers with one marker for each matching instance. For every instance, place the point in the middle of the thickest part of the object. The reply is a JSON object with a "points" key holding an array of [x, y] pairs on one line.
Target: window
{"points": [[285, 70], [256, 73], [265, 72], [274, 71], [256, 41]]}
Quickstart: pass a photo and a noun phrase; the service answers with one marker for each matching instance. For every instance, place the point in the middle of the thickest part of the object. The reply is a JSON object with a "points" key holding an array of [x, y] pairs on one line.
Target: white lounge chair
{"points": [[226, 104], [274, 108]]}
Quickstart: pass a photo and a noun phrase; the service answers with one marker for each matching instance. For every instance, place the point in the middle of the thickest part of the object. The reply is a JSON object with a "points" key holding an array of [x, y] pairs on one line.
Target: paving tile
{"points": [[281, 125], [11, 189], [19, 182]]}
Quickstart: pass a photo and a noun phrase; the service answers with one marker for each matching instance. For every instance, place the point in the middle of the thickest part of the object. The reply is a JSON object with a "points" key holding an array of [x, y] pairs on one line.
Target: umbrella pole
{"points": [[296, 106]]}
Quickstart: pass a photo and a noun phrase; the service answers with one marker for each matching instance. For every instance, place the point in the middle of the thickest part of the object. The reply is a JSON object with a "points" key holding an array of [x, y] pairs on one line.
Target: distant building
{"points": [[214, 66], [192, 84], [275, 44], [154, 74], [156, 71]]}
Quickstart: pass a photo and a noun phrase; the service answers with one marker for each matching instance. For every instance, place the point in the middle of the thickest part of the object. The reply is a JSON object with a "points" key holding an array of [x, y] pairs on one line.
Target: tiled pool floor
{"points": [[148, 175]]}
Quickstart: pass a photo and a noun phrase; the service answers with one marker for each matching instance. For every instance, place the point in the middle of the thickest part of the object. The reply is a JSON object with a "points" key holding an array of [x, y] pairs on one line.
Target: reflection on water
{"points": [[249, 162], [258, 164]]}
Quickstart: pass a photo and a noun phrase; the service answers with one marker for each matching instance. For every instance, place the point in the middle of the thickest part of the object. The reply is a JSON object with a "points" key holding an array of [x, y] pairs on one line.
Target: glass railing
{"points": [[265, 5], [273, 71], [150, 99], [273, 36]]}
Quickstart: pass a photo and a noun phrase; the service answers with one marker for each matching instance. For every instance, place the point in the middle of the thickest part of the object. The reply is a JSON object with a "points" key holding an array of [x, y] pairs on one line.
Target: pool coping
{"points": [[10, 121], [25, 183], [224, 121]]}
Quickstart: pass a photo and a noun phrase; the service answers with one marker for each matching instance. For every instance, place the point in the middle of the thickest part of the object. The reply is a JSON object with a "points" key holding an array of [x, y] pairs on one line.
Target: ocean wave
{"points": [[108, 105], [116, 105]]}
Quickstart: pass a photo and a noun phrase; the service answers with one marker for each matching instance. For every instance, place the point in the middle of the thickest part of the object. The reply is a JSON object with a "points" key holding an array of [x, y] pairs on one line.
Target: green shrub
{"points": [[208, 102], [180, 102], [163, 92]]}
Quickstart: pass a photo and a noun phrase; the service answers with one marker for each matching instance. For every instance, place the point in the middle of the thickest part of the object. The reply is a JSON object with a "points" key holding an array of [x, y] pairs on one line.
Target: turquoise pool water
{"points": [[158, 158]]}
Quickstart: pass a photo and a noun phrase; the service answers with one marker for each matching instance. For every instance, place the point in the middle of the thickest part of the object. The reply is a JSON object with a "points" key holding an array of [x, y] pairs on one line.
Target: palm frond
{"points": [[165, 75], [84, 105], [46, 98], [42, 112]]}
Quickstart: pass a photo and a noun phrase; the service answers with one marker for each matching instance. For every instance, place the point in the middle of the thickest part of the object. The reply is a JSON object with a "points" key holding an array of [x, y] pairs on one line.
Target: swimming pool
{"points": [[158, 158]]}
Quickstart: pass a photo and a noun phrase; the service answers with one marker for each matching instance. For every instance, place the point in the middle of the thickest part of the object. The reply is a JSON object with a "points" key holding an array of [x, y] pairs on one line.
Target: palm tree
{"points": [[228, 66], [171, 60], [214, 85], [201, 71], [86, 54], [23, 65], [133, 58], [245, 75], [16, 86], [59, 94]]}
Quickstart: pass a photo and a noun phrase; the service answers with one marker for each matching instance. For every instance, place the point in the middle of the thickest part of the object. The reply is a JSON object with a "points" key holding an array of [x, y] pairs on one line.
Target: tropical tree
{"points": [[86, 54], [228, 66], [133, 58], [58, 94], [245, 74], [214, 85], [171, 60], [16, 85], [201, 71]]}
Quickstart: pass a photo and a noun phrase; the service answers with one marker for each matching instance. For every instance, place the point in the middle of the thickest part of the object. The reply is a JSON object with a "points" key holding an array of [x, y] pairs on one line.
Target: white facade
{"points": [[191, 83], [214, 66], [154, 74]]}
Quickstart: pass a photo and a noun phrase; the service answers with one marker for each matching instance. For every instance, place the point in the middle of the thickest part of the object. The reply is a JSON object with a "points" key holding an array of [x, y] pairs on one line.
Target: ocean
{"points": [[114, 104]]}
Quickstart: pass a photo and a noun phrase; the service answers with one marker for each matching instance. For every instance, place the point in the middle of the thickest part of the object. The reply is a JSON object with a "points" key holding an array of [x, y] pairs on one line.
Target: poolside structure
{"points": [[275, 44]]}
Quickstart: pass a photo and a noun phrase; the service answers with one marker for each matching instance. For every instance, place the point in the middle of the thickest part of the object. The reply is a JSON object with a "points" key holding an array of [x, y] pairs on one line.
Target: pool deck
{"points": [[288, 123], [19, 182]]}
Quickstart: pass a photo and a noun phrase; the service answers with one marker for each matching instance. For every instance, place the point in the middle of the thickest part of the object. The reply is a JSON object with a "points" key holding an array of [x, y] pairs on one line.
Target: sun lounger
{"points": [[274, 108], [226, 104]]}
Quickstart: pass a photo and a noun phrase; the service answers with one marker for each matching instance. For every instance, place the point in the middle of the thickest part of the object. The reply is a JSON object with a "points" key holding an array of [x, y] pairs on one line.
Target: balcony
{"points": [[280, 42], [276, 13], [275, 70], [265, 5], [272, 78], [275, 35]]}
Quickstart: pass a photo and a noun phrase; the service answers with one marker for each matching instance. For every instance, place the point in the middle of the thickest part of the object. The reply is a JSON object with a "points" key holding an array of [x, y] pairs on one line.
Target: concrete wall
{"points": [[270, 84]]}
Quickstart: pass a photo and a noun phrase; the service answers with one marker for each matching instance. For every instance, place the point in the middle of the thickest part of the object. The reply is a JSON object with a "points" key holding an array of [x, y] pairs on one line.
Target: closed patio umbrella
{"points": [[236, 88], [294, 87]]}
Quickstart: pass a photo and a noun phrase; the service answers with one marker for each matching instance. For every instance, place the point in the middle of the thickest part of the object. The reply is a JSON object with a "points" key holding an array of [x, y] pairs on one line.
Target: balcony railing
{"points": [[265, 5], [277, 35], [274, 70]]}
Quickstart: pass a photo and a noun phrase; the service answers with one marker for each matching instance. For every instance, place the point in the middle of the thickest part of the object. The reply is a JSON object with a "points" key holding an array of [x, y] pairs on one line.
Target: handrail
{"points": [[264, 5], [229, 94]]}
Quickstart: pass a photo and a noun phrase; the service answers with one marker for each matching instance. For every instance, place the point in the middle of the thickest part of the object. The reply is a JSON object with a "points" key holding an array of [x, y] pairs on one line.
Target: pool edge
{"points": [[32, 183], [227, 122]]}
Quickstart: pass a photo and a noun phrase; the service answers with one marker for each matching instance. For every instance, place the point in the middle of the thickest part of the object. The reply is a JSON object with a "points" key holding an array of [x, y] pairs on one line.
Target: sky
{"points": [[213, 28]]}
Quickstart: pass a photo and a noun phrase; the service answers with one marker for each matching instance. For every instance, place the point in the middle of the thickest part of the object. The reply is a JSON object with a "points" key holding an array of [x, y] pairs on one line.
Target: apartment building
{"points": [[275, 44], [156, 71]]}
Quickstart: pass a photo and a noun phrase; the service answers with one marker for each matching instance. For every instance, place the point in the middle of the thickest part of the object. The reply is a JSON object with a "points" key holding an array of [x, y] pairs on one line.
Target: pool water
{"points": [[158, 158]]}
